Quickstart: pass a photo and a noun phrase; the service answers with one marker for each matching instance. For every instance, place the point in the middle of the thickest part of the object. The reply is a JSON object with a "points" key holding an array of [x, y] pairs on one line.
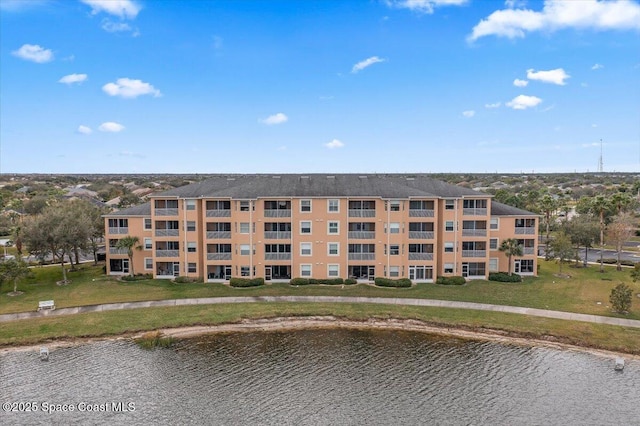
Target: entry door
{"points": [[372, 273], [125, 266], [267, 273], [516, 266], [176, 269], [465, 270], [227, 272]]}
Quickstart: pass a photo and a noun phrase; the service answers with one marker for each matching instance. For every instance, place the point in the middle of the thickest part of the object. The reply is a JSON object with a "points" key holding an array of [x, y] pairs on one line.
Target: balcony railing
{"points": [[362, 212], [167, 232], [421, 235], [528, 250], [218, 256], [219, 213], [474, 253], [420, 213], [521, 230], [212, 235], [474, 212], [420, 256], [277, 213], [277, 256], [119, 230], [115, 250], [362, 256], [166, 212], [474, 232], [277, 235], [167, 253], [362, 235]]}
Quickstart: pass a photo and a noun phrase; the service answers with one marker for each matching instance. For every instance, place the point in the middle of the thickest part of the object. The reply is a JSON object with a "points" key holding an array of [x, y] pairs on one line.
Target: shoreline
{"points": [[329, 322]]}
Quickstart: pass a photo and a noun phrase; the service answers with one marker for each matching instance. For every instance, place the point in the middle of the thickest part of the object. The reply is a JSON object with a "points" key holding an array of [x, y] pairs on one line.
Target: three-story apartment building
{"points": [[322, 226]]}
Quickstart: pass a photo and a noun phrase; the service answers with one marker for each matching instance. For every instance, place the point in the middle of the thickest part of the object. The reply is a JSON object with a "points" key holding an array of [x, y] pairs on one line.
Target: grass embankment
{"points": [[580, 293]]}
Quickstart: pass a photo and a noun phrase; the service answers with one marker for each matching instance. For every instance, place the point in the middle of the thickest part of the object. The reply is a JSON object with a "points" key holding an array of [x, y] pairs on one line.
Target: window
{"points": [[191, 247], [394, 228], [394, 206], [148, 263], [244, 206], [245, 227], [449, 204], [448, 268], [245, 249], [474, 269], [493, 264], [333, 249], [333, 271], [191, 226], [148, 244], [524, 266], [244, 271], [191, 204], [334, 227], [147, 223], [394, 271], [192, 268], [394, 249], [420, 272], [305, 227], [448, 226], [493, 244], [334, 206], [305, 206], [494, 223], [305, 249], [448, 247], [305, 270]]}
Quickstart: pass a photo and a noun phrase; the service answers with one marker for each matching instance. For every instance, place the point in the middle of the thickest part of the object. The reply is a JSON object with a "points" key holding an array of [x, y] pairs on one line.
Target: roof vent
{"points": [[362, 177], [230, 178], [331, 177], [276, 177], [304, 177], [410, 178]]}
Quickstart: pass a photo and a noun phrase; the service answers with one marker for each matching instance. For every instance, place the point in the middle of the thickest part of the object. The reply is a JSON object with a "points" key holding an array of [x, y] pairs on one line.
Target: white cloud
{"points": [[124, 9], [523, 102], [494, 105], [20, 5], [334, 144], [557, 76], [111, 127], [34, 53], [85, 130], [520, 83], [366, 63], [73, 78], [423, 6], [469, 113], [115, 27], [127, 88], [515, 4], [278, 118], [559, 14], [597, 67]]}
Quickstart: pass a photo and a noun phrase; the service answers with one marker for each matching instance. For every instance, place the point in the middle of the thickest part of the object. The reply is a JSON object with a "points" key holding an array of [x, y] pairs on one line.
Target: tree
{"points": [[635, 273], [95, 233], [511, 247], [548, 206], [600, 206], [620, 298], [128, 199], [619, 232], [562, 249], [17, 237], [14, 270], [583, 231], [621, 201], [129, 243]]}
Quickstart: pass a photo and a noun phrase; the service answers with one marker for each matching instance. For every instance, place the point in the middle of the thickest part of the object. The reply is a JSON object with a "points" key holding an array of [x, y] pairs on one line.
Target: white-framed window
{"points": [[494, 223], [448, 247], [192, 267], [191, 204], [333, 227], [394, 228], [148, 263], [305, 270], [394, 249], [147, 223], [244, 271], [191, 226], [493, 264], [394, 205], [448, 268], [245, 227], [419, 272], [305, 206], [449, 204], [394, 271], [245, 249], [148, 244], [305, 227], [333, 271], [305, 249], [333, 249], [493, 244], [448, 226], [244, 206], [333, 206], [191, 246]]}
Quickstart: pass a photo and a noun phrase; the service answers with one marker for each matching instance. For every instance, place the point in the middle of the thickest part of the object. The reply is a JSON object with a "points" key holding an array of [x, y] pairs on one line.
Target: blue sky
{"points": [[141, 86]]}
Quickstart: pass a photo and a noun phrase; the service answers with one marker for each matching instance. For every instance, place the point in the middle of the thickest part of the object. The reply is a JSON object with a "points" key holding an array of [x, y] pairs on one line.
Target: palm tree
{"points": [[511, 247], [129, 243], [548, 205], [600, 205]]}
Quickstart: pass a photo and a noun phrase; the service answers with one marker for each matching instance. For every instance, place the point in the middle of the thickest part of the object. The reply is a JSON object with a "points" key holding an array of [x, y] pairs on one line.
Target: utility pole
{"points": [[600, 165]]}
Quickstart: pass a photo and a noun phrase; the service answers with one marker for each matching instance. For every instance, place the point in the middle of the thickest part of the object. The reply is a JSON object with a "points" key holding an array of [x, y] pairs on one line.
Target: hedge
{"points": [[505, 277], [326, 281], [184, 280], [611, 261], [137, 277], [386, 282], [246, 282], [454, 280]]}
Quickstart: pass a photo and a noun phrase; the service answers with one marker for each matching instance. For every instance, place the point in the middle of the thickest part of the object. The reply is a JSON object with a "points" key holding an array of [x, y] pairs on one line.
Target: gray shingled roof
{"points": [[499, 209], [140, 210], [319, 185]]}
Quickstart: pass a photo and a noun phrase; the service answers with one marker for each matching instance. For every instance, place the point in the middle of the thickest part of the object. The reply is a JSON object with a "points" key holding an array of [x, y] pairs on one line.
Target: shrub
{"points": [[505, 277], [246, 282], [386, 282], [454, 280], [136, 277], [155, 340], [299, 281], [620, 298], [350, 281], [325, 281], [182, 280]]}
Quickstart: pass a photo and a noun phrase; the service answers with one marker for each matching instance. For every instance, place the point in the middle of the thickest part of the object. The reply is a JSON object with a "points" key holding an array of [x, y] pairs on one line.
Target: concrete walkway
{"points": [[327, 299]]}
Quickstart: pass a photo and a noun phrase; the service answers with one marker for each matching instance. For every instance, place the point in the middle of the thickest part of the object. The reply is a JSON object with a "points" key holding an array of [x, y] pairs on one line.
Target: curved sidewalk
{"points": [[328, 299]]}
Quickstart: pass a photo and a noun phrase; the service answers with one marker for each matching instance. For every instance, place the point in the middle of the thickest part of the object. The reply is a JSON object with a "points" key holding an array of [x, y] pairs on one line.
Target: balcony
{"points": [[362, 256], [115, 250], [119, 230], [528, 250], [420, 256], [277, 213], [218, 256], [474, 253], [362, 213], [522, 230], [421, 213], [277, 256], [167, 253], [214, 235], [474, 211], [474, 232], [219, 213], [277, 235], [362, 235], [421, 235], [166, 212], [167, 232]]}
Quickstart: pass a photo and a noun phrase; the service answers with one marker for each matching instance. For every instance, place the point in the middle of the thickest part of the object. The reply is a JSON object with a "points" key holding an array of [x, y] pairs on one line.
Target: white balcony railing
{"points": [[277, 256], [421, 213], [474, 212], [362, 256], [219, 213], [213, 235], [277, 235], [421, 235], [167, 253], [166, 212], [420, 256], [218, 256], [277, 213], [118, 231], [474, 253], [474, 232], [521, 230], [362, 235], [167, 232], [528, 250], [362, 212], [115, 250]]}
